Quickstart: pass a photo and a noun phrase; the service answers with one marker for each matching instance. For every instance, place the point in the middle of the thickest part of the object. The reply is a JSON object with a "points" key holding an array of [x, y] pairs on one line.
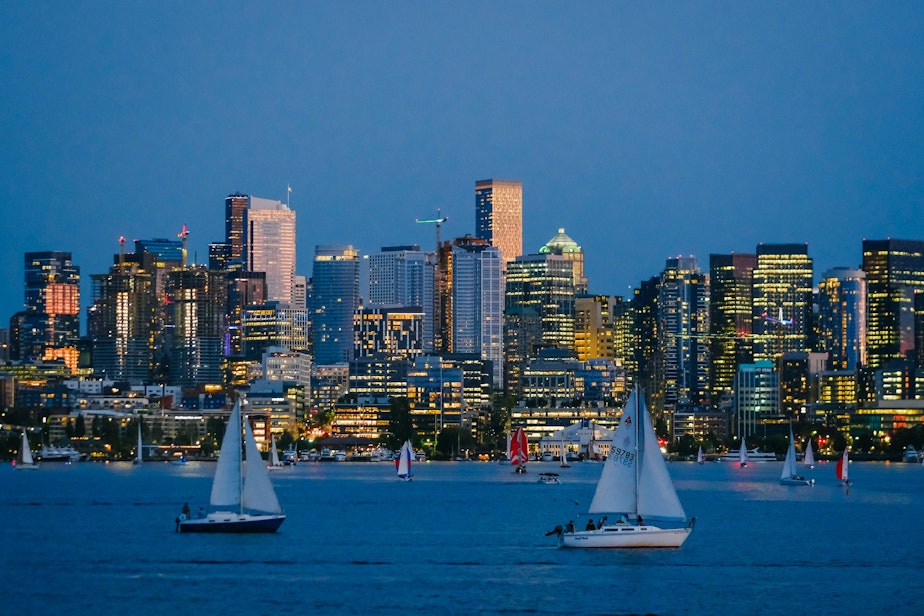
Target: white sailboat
{"points": [[789, 476], [635, 486], [563, 462], [24, 460], [809, 458], [743, 453], [700, 456], [242, 499], [139, 457], [842, 469], [404, 460], [275, 463]]}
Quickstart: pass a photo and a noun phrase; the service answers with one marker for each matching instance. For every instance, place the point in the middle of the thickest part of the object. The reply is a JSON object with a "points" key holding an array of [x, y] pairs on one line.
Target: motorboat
{"points": [[66, 453]]}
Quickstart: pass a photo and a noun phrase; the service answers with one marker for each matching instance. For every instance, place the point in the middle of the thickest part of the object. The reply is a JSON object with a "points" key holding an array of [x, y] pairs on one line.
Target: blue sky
{"points": [[646, 130]]}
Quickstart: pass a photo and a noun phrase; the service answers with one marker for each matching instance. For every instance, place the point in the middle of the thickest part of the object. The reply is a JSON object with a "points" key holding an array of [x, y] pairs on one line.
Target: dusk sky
{"points": [[646, 130]]}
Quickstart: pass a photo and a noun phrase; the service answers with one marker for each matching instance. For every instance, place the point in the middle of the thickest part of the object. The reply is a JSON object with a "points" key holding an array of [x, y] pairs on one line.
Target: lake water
{"points": [[462, 538]]}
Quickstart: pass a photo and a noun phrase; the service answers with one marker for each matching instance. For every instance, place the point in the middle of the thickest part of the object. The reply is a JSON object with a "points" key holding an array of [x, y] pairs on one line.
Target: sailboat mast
{"points": [[240, 462], [638, 434]]}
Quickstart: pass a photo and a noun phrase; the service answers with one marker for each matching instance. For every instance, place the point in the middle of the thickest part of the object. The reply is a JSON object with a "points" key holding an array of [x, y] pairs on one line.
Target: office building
{"points": [[562, 244], [49, 326], [782, 300], [270, 238], [731, 320], [196, 298], [335, 297], [683, 318], [842, 318], [478, 303], [405, 276]]}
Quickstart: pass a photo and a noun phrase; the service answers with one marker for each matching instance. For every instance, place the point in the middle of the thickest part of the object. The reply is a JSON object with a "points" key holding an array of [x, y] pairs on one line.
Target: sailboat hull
{"points": [[227, 522], [627, 536], [797, 481]]}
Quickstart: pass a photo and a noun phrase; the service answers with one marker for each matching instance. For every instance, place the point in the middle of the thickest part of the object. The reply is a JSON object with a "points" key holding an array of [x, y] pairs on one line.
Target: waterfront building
{"points": [[585, 433], [270, 246], [798, 380], [362, 417], [499, 215], [478, 303], [49, 326], [435, 396], [842, 317], [684, 324], [378, 377], [757, 397], [782, 308], [277, 407], [328, 384], [334, 299], [698, 422], [894, 272], [562, 244], [731, 321]]}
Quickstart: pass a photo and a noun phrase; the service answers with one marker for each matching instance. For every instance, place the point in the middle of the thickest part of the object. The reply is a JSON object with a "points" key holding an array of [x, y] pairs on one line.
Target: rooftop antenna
{"points": [[183, 235], [288, 192], [121, 253]]}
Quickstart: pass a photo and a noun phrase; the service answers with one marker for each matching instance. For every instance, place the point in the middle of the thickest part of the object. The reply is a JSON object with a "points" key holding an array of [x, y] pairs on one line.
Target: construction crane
{"points": [[438, 221], [183, 235]]}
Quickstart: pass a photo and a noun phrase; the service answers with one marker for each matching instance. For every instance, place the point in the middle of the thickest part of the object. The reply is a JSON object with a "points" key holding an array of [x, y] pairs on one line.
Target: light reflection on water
{"points": [[462, 538]]}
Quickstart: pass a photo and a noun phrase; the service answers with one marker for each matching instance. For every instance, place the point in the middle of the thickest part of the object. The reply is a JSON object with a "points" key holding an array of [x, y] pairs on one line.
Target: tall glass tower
{"points": [[499, 215], [271, 246], [684, 321], [894, 272], [478, 304], [782, 303], [335, 296], [842, 317], [730, 319], [51, 322], [404, 276]]}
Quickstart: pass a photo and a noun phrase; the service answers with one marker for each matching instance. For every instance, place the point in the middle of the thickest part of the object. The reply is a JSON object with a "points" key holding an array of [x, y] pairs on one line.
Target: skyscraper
{"points": [[563, 245], [478, 303], [683, 319], [894, 271], [404, 276], [196, 300], [842, 317], [235, 225], [335, 296], [782, 301], [731, 320], [499, 215], [50, 325], [271, 246]]}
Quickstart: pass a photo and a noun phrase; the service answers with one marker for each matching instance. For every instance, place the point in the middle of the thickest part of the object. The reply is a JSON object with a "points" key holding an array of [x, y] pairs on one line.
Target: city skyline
{"points": [[645, 132]]}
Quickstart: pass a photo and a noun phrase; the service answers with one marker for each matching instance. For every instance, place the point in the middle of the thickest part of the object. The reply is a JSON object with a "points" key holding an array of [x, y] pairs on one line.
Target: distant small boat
{"points": [[789, 476], [404, 460], [24, 460], [563, 462], [700, 456], [139, 458], [842, 468], [548, 478], [242, 499], [519, 450], [809, 458], [274, 462]]}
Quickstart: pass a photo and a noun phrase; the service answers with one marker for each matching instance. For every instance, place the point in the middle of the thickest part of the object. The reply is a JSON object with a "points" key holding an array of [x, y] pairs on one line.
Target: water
{"points": [[462, 538]]}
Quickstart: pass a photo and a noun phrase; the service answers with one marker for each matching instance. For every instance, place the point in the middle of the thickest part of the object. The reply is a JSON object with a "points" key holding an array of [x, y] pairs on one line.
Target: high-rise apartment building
{"points": [[782, 300], [894, 272], [562, 244], [842, 317], [757, 396], [387, 332], [335, 296], [478, 303], [49, 327], [684, 323], [270, 246], [595, 325], [731, 322], [196, 300], [235, 225], [499, 215]]}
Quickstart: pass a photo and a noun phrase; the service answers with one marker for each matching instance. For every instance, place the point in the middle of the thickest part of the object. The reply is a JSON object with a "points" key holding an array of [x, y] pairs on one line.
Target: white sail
{"points": [[809, 459], [138, 456], [635, 478], [226, 486], [25, 452], [274, 453], [743, 453], [700, 456], [789, 466], [258, 493], [404, 460]]}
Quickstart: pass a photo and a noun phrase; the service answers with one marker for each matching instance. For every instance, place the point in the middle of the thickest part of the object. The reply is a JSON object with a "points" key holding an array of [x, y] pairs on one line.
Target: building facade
{"points": [[499, 215]]}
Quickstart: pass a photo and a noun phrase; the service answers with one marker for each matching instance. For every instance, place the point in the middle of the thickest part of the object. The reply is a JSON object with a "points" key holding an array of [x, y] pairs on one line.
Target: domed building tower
{"points": [[563, 245]]}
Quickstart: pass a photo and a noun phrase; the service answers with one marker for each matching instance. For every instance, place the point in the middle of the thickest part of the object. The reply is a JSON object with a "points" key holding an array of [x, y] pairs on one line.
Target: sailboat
{"points": [[700, 456], [139, 458], [841, 468], [242, 499], [24, 460], [564, 454], [519, 451], [809, 458], [743, 454], [789, 476], [275, 463], [634, 483], [403, 461]]}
